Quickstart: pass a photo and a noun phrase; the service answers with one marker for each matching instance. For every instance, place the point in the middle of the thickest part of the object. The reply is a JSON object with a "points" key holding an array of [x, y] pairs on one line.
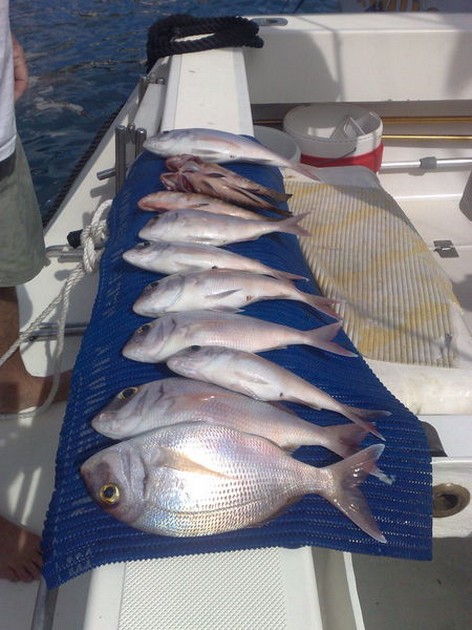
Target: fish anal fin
{"points": [[281, 510]]}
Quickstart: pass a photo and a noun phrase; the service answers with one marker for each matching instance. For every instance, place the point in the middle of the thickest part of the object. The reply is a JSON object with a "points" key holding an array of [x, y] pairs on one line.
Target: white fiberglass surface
{"points": [[411, 595]]}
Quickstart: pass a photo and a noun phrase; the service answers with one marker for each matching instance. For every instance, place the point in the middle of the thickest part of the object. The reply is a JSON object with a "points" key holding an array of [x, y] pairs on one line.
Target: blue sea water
{"points": [[84, 58]]}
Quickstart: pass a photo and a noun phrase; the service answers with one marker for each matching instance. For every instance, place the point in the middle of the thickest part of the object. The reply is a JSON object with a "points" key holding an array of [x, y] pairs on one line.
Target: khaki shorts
{"points": [[22, 251]]}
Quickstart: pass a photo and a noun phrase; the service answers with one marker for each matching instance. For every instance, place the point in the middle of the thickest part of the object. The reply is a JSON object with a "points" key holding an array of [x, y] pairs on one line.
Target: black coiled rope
{"points": [[167, 36]]}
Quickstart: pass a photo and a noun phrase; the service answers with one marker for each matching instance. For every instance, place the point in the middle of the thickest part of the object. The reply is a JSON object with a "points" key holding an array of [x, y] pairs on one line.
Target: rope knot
{"points": [[93, 237]]}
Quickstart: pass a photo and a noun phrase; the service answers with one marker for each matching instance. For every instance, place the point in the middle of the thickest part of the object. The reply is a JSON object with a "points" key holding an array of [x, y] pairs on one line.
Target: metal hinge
{"points": [[445, 249]]}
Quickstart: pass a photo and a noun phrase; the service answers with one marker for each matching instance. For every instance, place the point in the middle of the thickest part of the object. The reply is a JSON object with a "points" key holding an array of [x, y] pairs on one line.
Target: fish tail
{"points": [[343, 439], [322, 304], [244, 197], [291, 226], [322, 338], [307, 171], [274, 195], [341, 489], [265, 191], [286, 275], [362, 417], [281, 212]]}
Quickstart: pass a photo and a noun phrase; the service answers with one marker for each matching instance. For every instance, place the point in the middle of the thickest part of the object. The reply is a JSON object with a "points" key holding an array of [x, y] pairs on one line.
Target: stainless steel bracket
{"points": [[445, 249]]}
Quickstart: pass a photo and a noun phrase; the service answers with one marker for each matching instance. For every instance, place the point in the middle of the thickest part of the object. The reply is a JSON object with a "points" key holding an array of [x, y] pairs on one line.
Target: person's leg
{"points": [[18, 388], [20, 557], [22, 255], [20, 553]]}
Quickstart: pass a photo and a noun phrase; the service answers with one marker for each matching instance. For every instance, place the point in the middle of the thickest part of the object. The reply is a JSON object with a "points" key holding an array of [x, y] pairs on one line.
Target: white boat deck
{"points": [[275, 588]]}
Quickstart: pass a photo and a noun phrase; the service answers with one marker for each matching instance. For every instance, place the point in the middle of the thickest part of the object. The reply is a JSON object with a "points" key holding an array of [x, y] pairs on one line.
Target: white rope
{"points": [[92, 239]]}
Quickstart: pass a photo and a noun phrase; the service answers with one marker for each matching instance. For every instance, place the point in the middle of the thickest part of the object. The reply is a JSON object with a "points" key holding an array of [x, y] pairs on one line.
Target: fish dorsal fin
{"points": [[179, 461]]}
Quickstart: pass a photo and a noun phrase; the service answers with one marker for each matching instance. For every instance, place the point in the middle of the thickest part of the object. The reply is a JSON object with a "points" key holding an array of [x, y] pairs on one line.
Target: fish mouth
{"points": [[130, 351], [103, 422], [107, 423]]}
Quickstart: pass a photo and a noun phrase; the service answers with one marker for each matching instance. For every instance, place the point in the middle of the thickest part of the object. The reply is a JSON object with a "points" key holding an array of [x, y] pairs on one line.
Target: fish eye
{"points": [[144, 328], [194, 348], [128, 392], [109, 493], [143, 245]]}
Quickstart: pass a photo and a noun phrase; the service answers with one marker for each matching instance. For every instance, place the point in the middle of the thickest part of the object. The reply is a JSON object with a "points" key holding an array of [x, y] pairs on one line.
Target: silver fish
{"points": [[197, 226], [153, 405], [170, 258], [255, 376], [219, 146], [159, 339], [169, 201], [221, 290], [199, 479]]}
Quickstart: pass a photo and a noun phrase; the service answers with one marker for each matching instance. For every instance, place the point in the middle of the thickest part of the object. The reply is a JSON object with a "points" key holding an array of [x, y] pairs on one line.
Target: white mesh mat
{"points": [[398, 305], [237, 590]]}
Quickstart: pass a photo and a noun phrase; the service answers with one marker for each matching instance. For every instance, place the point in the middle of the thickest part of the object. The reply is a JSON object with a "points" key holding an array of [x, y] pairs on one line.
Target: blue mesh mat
{"points": [[79, 536]]}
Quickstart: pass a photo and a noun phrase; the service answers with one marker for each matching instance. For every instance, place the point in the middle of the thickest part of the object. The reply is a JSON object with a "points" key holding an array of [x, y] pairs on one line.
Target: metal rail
{"points": [[48, 330]]}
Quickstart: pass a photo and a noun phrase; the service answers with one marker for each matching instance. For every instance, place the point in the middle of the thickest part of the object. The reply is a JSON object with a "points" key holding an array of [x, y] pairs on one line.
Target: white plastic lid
{"points": [[278, 141], [334, 130]]}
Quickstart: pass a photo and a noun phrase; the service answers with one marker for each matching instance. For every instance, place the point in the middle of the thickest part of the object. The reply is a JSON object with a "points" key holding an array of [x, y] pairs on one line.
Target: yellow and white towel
{"points": [[398, 304]]}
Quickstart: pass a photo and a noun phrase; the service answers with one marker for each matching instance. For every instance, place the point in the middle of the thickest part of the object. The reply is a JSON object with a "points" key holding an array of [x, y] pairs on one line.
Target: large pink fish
{"points": [[199, 479]]}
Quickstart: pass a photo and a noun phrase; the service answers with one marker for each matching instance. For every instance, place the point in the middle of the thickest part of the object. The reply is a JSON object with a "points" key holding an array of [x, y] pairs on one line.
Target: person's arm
{"points": [[20, 69]]}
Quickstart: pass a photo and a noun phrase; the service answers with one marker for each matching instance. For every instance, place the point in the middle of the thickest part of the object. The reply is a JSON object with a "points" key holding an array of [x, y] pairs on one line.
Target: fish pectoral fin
{"points": [[208, 153], [179, 461], [246, 381], [223, 294], [251, 378]]}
